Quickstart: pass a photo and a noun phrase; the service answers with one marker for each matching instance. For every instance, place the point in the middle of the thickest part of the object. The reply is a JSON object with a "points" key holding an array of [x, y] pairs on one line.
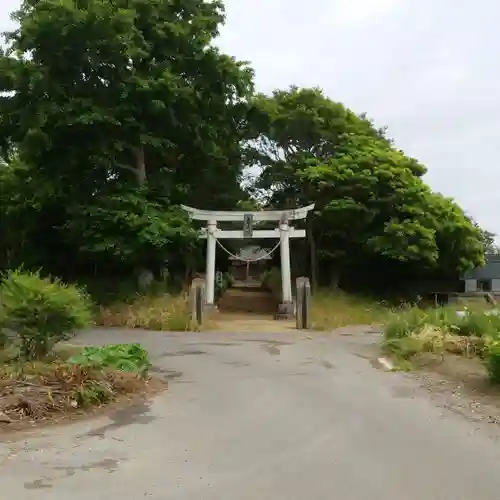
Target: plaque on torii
{"points": [[248, 225]]}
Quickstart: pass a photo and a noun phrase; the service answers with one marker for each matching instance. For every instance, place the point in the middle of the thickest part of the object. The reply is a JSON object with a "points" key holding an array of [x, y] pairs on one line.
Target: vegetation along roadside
{"points": [[417, 337], [41, 378]]}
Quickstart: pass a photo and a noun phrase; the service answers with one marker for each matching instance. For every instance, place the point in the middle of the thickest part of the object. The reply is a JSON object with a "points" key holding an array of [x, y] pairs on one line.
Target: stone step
{"points": [[254, 301]]}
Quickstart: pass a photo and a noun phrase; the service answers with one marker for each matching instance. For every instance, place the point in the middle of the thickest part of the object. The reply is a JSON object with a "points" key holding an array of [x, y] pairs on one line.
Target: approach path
{"points": [[271, 416]]}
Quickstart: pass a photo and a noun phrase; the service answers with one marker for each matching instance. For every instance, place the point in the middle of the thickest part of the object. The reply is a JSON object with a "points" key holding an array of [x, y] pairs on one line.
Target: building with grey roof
{"points": [[484, 279]]}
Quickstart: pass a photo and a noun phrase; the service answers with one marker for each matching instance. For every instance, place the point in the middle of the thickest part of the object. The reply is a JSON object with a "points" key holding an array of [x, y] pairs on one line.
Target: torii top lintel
{"points": [[239, 215]]}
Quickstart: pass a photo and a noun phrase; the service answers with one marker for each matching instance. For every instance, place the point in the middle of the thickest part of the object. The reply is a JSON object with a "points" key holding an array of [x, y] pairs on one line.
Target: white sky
{"points": [[429, 70]]}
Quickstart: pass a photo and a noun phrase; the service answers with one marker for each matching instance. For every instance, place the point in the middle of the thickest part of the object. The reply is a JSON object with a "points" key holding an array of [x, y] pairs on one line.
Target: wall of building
{"points": [[470, 285]]}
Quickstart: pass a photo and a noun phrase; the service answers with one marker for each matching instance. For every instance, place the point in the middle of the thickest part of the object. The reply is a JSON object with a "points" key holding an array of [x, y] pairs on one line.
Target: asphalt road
{"points": [[263, 417]]}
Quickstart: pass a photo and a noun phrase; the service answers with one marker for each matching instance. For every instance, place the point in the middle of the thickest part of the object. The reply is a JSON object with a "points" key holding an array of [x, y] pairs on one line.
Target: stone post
{"points": [[198, 300], [303, 317]]}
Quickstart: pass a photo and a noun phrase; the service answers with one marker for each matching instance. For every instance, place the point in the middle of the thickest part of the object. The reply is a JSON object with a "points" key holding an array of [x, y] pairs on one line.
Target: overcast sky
{"points": [[429, 70]]}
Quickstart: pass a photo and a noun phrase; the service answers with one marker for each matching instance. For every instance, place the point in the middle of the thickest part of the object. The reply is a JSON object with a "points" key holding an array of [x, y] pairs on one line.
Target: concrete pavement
{"points": [[262, 417]]}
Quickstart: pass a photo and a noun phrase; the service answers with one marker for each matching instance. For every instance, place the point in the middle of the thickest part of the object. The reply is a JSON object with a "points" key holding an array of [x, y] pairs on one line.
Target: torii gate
{"points": [[284, 232]]}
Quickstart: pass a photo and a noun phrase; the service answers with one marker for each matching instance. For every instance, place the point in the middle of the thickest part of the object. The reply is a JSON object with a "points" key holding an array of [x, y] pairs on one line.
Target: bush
{"points": [[226, 282], [41, 311], [124, 357], [493, 361], [478, 324], [271, 280], [3, 338]]}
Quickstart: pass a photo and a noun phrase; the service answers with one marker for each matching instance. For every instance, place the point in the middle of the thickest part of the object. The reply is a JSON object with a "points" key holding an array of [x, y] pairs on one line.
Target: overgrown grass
{"points": [[466, 324], [163, 312], [414, 332], [331, 310]]}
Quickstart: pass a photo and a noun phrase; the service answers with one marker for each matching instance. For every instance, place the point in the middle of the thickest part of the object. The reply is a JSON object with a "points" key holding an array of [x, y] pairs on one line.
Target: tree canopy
{"points": [[115, 112], [370, 197], [105, 97]]}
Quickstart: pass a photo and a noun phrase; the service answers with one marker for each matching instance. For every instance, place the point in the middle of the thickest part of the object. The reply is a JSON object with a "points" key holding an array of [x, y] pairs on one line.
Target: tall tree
{"points": [[489, 241], [370, 198], [123, 100]]}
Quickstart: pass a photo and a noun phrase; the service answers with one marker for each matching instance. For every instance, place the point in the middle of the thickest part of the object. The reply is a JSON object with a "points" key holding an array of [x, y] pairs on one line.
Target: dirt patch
{"points": [[244, 323], [460, 384]]}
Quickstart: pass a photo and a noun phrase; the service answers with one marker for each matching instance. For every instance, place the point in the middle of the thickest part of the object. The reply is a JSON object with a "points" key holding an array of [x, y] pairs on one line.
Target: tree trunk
{"points": [[313, 261], [335, 274], [335, 278], [141, 167], [143, 275]]}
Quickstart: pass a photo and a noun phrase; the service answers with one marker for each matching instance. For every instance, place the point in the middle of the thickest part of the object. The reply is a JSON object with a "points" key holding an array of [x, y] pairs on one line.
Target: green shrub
{"points": [[493, 361], [124, 357], [41, 311], [229, 279], [271, 280], [412, 320], [3, 338], [403, 347]]}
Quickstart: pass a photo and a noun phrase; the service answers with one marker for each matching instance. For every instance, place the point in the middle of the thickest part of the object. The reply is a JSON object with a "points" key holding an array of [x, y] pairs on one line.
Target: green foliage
{"points": [[221, 287], [410, 320], [271, 279], [3, 339], [114, 113], [478, 324], [493, 361], [41, 311], [123, 357], [117, 112], [128, 227], [92, 394]]}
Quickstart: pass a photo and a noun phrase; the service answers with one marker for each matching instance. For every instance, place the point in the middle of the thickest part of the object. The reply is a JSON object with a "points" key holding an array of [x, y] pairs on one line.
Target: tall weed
{"points": [[334, 309], [165, 312]]}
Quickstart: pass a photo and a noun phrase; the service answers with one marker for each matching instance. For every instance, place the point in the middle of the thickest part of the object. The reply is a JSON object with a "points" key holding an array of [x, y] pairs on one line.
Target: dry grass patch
{"points": [[165, 312], [331, 310], [39, 391], [69, 381], [432, 339]]}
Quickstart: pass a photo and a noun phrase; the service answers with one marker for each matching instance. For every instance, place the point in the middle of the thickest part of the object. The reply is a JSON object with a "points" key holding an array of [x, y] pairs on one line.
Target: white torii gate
{"points": [[284, 232]]}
